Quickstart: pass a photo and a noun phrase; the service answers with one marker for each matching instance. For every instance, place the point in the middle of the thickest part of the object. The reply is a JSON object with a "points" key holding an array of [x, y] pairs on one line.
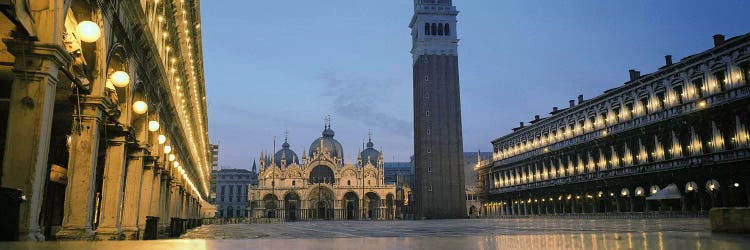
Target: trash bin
{"points": [[174, 227], [10, 204], [152, 228]]}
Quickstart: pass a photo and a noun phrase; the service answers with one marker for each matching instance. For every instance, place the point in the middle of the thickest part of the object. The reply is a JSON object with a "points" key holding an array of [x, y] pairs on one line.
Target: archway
{"points": [[372, 200], [351, 202], [389, 206], [737, 194], [321, 198], [472, 211], [321, 174], [291, 205], [269, 203]]}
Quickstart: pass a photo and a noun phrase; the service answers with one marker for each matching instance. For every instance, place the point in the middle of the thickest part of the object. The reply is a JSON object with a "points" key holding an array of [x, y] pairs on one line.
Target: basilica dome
{"points": [[330, 145], [370, 154], [286, 154]]}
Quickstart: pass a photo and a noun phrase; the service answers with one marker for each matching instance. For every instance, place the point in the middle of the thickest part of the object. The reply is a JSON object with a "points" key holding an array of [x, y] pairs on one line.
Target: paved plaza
{"points": [[533, 233]]}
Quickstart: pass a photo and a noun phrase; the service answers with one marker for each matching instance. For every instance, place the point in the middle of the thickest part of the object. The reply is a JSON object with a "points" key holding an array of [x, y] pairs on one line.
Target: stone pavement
{"points": [[534, 233]]}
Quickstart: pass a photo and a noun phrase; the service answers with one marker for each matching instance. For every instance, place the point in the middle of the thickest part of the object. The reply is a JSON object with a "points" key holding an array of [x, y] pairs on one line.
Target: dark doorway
{"points": [[349, 210]]}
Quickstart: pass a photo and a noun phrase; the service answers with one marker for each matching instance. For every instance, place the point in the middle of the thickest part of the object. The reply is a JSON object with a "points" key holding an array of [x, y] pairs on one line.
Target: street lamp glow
{"points": [[140, 107], [167, 149], [162, 139], [120, 79], [88, 31], [153, 126], [171, 157]]}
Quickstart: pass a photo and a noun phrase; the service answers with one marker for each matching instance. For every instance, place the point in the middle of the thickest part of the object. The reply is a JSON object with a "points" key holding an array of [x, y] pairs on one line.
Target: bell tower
{"points": [[438, 144]]}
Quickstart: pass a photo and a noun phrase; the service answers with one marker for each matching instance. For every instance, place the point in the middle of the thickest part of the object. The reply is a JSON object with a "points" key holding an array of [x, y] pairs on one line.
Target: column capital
{"points": [[24, 50]]}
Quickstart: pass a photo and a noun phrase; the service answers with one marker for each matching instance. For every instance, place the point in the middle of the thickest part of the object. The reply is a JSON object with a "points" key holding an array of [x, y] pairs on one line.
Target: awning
{"points": [[668, 193]]}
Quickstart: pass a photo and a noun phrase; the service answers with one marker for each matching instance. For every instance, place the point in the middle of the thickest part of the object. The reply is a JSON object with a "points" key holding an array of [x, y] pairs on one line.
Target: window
{"points": [[447, 28], [434, 29], [660, 100], [427, 113], [348, 182], [428, 131], [426, 78], [699, 88], [294, 183], [721, 79], [678, 93], [440, 29], [429, 150], [745, 71], [427, 29], [368, 182], [429, 188], [429, 170]]}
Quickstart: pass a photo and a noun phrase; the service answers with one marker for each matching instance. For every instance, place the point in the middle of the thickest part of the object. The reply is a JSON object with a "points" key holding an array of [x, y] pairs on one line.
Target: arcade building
{"points": [[675, 140]]}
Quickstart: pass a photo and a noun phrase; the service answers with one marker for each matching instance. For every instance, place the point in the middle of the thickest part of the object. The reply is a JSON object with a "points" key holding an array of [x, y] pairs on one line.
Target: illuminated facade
{"points": [[321, 186], [104, 107], [672, 140]]}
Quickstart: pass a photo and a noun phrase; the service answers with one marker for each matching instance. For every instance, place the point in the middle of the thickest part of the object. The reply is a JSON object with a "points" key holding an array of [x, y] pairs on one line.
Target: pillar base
{"points": [[109, 234], [75, 234], [130, 233], [31, 236]]}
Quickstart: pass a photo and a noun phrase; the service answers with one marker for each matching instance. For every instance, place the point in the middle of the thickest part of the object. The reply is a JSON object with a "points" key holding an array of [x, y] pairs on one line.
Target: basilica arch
{"points": [[321, 200], [292, 204], [351, 205]]}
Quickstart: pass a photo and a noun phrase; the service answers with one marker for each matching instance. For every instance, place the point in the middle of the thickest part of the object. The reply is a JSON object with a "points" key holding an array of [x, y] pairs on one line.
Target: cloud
{"points": [[357, 100]]}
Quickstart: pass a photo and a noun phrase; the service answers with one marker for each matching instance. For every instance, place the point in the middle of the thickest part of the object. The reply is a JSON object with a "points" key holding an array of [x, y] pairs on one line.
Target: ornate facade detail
{"points": [[322, 186]]}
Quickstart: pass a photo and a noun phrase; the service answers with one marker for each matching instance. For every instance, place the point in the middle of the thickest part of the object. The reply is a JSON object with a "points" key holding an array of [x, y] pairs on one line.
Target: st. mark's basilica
{"points": [[320, 185]]}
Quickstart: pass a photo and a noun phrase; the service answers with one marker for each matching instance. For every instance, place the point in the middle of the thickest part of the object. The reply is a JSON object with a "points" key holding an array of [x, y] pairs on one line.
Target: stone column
{"points": [[164, 201], [172, 208], [156, 193], [132, 199], [144, 206], [112, 191], [80, 192], [31, 103]]}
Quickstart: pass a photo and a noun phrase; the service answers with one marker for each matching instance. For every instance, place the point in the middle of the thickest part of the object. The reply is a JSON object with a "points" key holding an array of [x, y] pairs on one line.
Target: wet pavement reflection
{"points": [[534, 233]]}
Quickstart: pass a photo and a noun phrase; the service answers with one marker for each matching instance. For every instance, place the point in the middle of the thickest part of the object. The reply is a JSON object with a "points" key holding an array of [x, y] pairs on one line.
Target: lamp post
{"points": [[363, 193]]}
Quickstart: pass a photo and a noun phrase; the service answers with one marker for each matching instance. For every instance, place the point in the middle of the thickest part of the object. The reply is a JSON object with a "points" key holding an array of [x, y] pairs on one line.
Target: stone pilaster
{"points": [[155, 192], [29, 126], [132, 199], [164, 202], [112, 191], [80, 192], [144, 206]]}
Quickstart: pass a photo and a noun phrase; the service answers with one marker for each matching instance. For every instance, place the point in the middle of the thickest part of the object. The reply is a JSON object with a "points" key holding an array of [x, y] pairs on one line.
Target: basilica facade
{"points": [[320, 185]]}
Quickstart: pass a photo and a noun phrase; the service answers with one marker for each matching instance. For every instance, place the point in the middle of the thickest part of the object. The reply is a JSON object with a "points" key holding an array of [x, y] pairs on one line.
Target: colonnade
{"points": [[120, 159], [309, 211], [693, 198]]}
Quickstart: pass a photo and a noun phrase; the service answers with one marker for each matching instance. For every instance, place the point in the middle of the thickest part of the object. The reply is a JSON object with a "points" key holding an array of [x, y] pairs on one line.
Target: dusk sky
{"points": [[276, 65]]}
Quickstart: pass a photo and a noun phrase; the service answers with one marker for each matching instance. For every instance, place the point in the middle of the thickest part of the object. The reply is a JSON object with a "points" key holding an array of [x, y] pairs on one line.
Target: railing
{"points": [[616, 215], [686, 162], [636, 122]]}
